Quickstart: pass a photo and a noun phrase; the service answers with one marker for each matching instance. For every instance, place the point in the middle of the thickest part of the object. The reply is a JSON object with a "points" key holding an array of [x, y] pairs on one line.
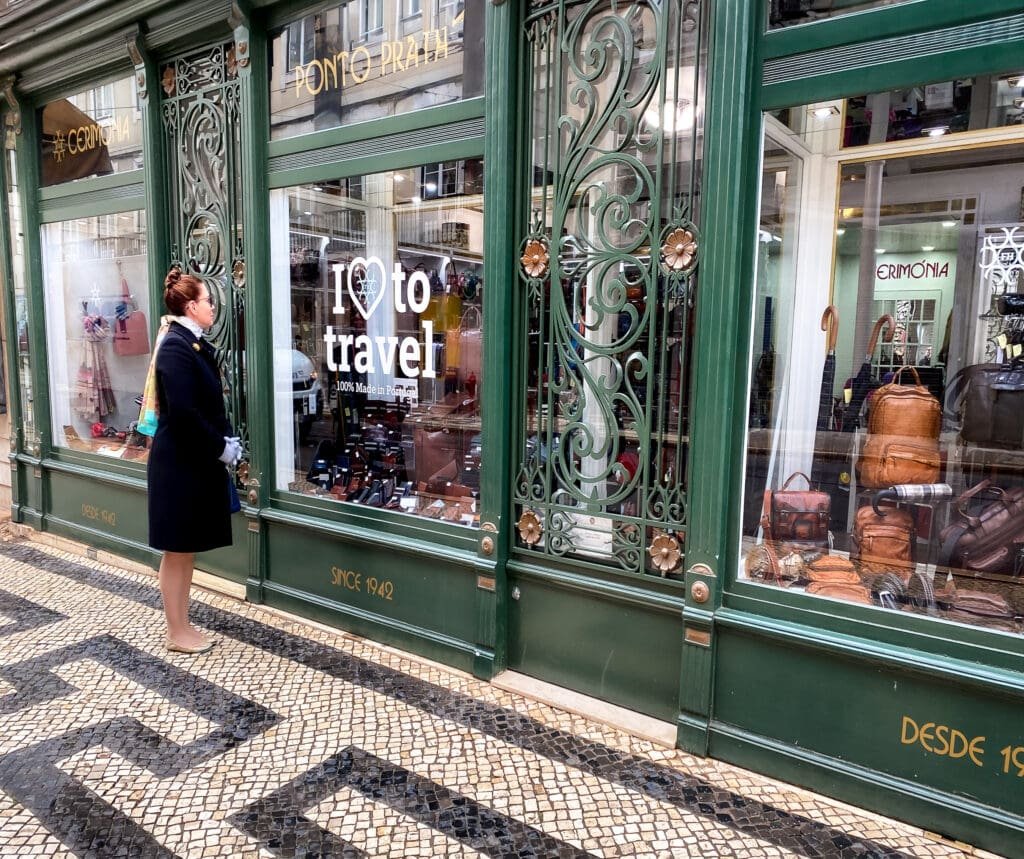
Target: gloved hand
{"points": [[232, 450]]}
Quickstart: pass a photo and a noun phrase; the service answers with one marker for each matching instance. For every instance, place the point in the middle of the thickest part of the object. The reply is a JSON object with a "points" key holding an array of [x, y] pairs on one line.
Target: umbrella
{"points": [[862, 382], [829, 324], [58, 162]]}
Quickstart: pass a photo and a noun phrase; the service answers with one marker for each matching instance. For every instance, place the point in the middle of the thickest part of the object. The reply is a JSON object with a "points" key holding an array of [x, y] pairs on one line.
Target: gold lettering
{"points": [[972, 751], [399, 50], [412, 55], [953, 737], [333, 67], [440, 41], [341, 58], [941, 735], [386, 53], [300, 79], [319, 67], [366, 71], [926, 734], [123, 126], [909, 723]]}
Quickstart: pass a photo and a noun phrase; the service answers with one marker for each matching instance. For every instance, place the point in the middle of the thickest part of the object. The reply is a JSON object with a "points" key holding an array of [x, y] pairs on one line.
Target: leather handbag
{"points": [[883, 542], [990, 401], [1010, 304], [902, 445], [991, 541], [841, 591], [982, 608], [796, 516], [131, 335]]}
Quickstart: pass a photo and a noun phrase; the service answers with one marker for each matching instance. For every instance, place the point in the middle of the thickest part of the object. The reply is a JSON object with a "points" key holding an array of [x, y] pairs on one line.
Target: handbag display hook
{"points": [[830, 324]]}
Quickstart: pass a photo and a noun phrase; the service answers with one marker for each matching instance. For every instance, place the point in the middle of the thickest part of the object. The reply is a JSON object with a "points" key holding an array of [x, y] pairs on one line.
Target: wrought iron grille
{"points": [[200, 109], [610, 189]]}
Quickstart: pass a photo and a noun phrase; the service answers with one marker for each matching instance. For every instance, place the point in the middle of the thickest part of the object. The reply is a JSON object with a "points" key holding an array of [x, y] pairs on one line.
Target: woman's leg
{"points": [[175, 584]]}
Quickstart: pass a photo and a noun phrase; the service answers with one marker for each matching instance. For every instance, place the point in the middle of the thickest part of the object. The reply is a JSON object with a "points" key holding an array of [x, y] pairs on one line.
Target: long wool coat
{"points": [[189, 500]]}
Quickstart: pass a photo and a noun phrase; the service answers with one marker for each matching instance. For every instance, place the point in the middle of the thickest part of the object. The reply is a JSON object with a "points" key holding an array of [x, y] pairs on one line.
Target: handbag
{"points": [[883, 542], [132, 334], [990, 542], [234, 504], [982, 608], [841, 591], [796, 516], [902, 445], [990, 401], [1010, 304]]}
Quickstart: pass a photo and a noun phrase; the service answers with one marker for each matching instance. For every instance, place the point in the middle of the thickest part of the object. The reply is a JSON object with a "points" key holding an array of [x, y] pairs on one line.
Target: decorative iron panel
{"points": [[609, 183], [200, 109]]}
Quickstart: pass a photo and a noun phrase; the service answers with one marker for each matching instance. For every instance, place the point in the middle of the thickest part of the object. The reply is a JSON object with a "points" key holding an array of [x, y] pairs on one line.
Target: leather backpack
{"points": [[991, 541], [797, 516], [883, 541], [902, 445]]}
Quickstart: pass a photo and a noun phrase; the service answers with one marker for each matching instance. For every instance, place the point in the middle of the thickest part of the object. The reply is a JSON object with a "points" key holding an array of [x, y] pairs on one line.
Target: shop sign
{"points": [[367, 282], [918, 270], [957, 745], [1002, 258], [70, 142], [331, 72]]}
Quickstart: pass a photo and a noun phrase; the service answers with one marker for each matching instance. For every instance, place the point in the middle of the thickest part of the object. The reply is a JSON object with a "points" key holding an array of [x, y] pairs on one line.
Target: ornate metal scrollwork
{"points": [[201, 119], [608, 256]]}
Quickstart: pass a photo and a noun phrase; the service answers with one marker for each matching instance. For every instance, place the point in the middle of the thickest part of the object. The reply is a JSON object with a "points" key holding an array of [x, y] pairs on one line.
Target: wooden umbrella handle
{"points": [[890, 324], [830, 324]]}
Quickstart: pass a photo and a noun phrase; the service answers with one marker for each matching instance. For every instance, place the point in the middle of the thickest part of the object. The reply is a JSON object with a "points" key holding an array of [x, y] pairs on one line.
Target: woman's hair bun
{"points": [[173, 276]]}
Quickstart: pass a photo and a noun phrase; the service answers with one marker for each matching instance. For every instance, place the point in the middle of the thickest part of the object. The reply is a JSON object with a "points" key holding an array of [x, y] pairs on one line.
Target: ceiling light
{"points": [[307, 213], [431, 186], [927, 248], [823, 111], [318, 187], [841, 231], [399, 177], [417, 199], [936, 131], [948, 224], [879, 250]]}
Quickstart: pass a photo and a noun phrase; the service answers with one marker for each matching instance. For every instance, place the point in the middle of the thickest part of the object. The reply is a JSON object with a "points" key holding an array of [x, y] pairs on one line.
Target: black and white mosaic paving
{"points": [[288, 740]]}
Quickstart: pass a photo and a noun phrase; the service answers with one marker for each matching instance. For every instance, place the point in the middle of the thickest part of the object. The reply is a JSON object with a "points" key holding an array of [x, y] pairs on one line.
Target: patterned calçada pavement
{"points": [[288, 739]]}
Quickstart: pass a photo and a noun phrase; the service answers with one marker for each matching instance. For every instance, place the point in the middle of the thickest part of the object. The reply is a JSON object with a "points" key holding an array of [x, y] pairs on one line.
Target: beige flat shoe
{"points": [[174, 647]]}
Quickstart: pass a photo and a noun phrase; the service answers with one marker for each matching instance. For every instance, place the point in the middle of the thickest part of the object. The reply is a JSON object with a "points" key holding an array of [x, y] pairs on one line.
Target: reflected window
{"points": [[97, 329], [378, 340], [885, 451], [365, 59], [786, 13], [92, 133]]}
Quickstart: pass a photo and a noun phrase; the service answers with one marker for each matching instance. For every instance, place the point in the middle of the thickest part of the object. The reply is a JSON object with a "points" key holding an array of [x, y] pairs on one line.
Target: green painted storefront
{"points": [[818, 692]]}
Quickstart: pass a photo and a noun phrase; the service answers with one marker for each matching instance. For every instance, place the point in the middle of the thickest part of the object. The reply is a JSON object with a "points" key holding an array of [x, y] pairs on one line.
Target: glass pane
{"points": [[17, 245], [785, 13], [378, 339], [886, 468], [93, 133], [926, 111], [366, 59], [97, 330]]}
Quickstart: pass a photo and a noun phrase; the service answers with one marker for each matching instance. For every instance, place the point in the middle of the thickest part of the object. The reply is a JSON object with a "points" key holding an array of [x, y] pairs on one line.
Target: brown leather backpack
{"points": [[990, 542], [883, 542], [903, 436]]}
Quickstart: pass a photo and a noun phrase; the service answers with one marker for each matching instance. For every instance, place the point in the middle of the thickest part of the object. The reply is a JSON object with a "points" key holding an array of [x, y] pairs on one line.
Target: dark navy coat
{"points": [[189, 501]]}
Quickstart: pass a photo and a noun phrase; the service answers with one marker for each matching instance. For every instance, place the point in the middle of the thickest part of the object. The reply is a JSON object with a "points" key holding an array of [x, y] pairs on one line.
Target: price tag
{"points": [[1002, 341]]}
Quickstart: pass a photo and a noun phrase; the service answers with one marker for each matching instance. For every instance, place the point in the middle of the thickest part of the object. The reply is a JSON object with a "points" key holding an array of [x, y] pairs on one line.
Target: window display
{"points": [[885, 460], [378, 339], [350, 62], [97, 329], [92, 133]]}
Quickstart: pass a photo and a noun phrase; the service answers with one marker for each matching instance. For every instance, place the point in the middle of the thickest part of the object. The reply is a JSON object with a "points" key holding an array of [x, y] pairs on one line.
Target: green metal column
{"points": [[731, 148]]}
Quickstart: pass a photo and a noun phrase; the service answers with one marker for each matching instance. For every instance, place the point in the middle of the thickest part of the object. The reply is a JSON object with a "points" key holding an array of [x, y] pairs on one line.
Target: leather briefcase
{"points": [[991, 541], [883, 543], [990, 401], [796, 516], [903, 436]]}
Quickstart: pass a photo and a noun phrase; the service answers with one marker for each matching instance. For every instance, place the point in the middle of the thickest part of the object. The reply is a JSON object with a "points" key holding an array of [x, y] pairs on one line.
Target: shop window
{"points": [[924, 112], [378, 343], [92, 133], [97, 328], [885, 454], [785, 13], [360, 60], [16, 237]]}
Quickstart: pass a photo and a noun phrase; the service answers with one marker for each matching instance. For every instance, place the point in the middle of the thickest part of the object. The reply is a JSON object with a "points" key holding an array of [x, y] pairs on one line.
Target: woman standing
{"points": [[189, 492]]}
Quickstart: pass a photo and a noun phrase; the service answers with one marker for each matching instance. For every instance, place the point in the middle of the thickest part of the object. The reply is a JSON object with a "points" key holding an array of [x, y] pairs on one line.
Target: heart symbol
{"points": [[371, 291]]}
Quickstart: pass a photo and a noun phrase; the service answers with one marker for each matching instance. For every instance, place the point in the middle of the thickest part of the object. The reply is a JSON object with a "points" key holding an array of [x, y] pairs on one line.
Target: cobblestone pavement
{"points": [[291, 740]]}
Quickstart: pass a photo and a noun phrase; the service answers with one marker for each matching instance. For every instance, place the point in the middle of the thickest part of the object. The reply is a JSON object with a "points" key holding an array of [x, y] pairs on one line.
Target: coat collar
{"points": [[199, 344]]}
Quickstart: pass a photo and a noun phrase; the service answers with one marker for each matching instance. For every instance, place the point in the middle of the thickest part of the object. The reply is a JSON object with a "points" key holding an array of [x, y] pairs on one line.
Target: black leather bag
{"points": [[990, 402], [1010, 304]]}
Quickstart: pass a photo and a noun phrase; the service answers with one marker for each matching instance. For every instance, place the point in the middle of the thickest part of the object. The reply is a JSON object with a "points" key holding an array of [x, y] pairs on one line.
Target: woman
{"points": [[189, 493]]}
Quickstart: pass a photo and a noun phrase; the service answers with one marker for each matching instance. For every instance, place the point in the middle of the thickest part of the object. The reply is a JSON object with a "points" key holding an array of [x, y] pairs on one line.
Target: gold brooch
{"points": [[196, 347]]}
